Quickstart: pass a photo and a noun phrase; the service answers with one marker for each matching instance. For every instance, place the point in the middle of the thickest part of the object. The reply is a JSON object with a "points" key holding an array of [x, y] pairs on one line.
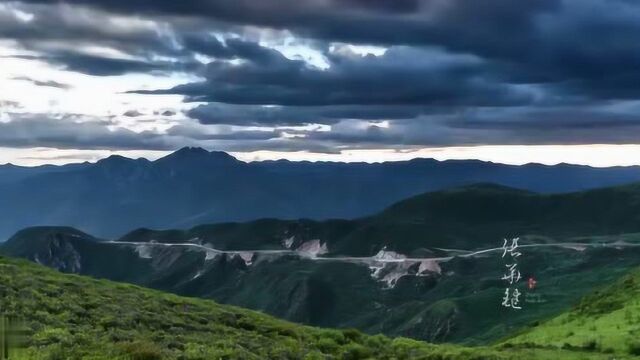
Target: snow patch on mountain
{"points": [[390, 266], [312, 248], [198, 274], [246, 256], [210, 255], [395, 273], [429, 266], [144, 251], [288, 242], [383, 254]]}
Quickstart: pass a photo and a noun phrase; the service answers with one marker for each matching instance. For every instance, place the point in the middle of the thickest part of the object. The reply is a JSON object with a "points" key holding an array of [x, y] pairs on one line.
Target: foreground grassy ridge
{"points": [[607, 321], [76, 317]]}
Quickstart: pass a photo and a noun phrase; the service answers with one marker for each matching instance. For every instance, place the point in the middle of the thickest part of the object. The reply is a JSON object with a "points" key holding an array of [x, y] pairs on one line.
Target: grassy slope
{"points": [[74, 317], [606, 321]]}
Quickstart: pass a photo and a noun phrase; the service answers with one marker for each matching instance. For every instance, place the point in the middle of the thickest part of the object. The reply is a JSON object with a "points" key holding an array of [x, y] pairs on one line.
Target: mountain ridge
{"points": [[453, 204], [195, 186], [195, 150]]}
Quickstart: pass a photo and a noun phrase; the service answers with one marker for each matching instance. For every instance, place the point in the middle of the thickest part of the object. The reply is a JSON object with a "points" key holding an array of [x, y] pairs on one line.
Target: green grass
{"points": [[76, 317], [606, 321]]}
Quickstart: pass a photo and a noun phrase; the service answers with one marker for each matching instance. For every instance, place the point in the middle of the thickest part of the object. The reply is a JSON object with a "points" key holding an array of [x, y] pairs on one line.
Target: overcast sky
{"points": [[503, 80]]}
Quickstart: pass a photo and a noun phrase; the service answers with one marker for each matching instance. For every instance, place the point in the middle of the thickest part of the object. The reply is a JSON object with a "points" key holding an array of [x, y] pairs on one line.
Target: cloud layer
{"points": [[322, 75]]}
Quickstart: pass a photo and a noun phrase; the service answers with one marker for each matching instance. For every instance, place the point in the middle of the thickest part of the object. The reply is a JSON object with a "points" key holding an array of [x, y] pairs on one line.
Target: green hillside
{"points": [[75, 317], [480, 215], [607, 321]]}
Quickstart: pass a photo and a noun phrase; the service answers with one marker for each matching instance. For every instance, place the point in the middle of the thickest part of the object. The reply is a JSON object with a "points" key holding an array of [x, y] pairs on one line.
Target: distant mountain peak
{"points": [[115, 158], [188, 150], [119, 161], [198, 153]]}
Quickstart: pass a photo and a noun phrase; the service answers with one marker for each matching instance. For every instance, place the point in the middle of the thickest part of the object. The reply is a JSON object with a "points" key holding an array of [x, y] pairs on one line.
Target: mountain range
{"points": [[193, 186]]}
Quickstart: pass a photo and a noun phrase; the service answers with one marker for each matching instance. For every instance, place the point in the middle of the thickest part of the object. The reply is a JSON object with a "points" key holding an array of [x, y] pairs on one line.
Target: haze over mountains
{"points": [[193, 186]]}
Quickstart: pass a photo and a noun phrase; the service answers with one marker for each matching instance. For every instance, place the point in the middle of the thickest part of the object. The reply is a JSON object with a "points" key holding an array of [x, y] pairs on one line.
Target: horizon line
{"points": [[592, 155]]}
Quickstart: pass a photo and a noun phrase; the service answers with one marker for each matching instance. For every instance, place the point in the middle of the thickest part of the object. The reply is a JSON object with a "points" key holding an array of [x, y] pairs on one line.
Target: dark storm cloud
{"points": [[45, 83], [57, 25], [255, 115], [207, 45], [8, 104], [533, 41], [232, 48], [455, 72], [411, 21], [593, 118], [105, 66], [132, 113], [532, 126], [61, 34], [33, 130], [197, 134], [69, 131], [402, 76]]}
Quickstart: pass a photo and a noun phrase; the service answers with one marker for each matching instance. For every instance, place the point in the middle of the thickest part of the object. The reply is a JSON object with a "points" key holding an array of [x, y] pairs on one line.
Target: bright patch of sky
{"points": [[591, 155], [22, 16], [101, 97]]}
